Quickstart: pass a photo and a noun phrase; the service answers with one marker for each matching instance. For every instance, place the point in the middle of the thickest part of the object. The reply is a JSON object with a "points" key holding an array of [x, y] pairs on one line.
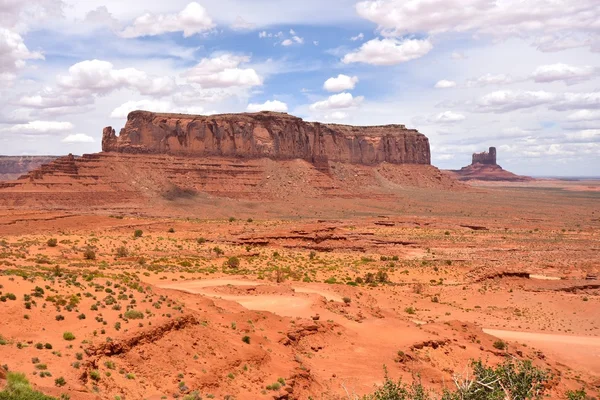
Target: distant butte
{"points": [[277, 136], [484, 168]]}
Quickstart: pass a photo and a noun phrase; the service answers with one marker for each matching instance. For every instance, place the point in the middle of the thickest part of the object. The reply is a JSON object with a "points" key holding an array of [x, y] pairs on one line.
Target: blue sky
{"points": [[469, 74]]}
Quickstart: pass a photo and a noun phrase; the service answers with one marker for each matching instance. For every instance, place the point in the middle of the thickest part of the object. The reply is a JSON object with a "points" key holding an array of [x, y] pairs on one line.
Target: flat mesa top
{"points": [[265, 115]]}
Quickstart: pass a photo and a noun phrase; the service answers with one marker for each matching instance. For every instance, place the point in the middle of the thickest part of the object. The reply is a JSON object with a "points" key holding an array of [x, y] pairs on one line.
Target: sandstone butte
{"points": [[277, 136], [484, 167]]}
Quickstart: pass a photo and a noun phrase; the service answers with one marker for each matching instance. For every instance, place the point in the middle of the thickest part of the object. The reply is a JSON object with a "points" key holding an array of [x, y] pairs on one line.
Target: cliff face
{"points": [[266, 135], [11, 167]]}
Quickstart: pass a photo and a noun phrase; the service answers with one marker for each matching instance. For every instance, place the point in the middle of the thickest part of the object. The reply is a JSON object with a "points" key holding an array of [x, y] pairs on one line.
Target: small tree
{"points": [[52, 242], [233, 262], [138, 233]]}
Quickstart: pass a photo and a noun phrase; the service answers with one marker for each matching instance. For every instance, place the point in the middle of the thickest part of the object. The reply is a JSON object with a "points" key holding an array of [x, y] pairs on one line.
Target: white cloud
{"points": [[336, 115], [360, 36], [223, 71], [341, 83], [14, 53], [576, 101], [293, 40], [449, 117], [340, 100], [39, 128], [445, 84], [509, 100], [563, 72], [269, 105], [298, 39], [490, 79], [96, 76], [78, 138], [584, 115], [191, 20], [508, 18], [240, 24], [159, 106], [457, 55], [287, 42], [389, 51]]}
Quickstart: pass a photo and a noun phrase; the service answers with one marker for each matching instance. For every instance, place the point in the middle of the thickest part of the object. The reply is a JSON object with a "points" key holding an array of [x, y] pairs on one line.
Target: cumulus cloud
{"points": [[389, 51], [14, 54], [577, 101], [39, 128], [509, 100], [160, 106], [269, 105], [563, 72], [240, 24], [445, 84], [191, 20], [584, 115], [341, 83], [449, 117], [97, 76], [490, 79], [360, 36], [78, 138], [503, 19], [336, 116], [223, 71], [340, 100]]}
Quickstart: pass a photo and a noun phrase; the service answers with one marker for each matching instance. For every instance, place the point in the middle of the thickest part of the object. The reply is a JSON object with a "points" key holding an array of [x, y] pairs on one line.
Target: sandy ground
{"points": [[228, 307]]}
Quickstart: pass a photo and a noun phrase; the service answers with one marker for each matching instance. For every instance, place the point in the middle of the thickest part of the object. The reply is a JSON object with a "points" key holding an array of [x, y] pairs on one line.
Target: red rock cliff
{"points": [[266, 134]]}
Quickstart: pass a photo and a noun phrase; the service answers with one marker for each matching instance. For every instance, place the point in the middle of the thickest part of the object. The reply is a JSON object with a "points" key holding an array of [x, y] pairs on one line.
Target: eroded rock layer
{"points": [[277, 136]]}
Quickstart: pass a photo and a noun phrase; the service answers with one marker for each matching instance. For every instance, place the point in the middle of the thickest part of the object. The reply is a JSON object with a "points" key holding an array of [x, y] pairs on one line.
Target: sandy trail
{"points": [[571, 350], [284, 305]]}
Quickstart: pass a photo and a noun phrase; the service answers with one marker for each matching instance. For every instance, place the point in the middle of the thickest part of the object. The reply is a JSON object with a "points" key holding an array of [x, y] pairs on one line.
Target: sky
{"points": [[523, 76]]}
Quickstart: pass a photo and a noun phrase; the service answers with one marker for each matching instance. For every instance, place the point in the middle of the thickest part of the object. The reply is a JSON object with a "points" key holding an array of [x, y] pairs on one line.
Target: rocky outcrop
{"points": [[484, 168], [12, 167], [277, 136]]}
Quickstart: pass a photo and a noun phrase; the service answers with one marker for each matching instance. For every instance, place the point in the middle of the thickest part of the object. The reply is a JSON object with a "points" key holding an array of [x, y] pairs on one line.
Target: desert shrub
{"points": [[18, 388], [201, 240], [52, 242], [48, 346], [233, 262], [499, 344], [95, 375], [60, 382], [409, 310], [122, 252], [231, 219], [218, 251], [576, 394], [138, 233], [347, 300], [246, 339], [382, 277], [171, 230], [89, 254], [514, 379], [68, 336], [134, 314]]}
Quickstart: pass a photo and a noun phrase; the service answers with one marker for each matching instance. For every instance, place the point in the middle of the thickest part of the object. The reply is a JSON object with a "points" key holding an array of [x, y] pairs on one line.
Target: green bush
{"points": [[68, 336], [122, 252], [89, 254], [499, 344], [233, 262], [514, 379], [138, 233], [133, 314], [246, 339], [576, 394], [18, 388], [52, 242]]}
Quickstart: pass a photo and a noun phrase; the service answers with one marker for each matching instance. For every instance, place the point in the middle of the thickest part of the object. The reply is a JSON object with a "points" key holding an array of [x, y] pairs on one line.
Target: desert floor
{"points": [[309, 298]]}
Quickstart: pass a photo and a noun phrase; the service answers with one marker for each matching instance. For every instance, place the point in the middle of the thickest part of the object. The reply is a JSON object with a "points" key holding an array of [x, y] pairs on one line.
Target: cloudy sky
{"points": [[523, 76]]}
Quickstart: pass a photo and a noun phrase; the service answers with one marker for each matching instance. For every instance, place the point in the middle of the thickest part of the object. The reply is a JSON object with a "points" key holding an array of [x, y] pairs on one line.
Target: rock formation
{"points": [[11, 167], [486, 157], [484, 168], [277, 136]]}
